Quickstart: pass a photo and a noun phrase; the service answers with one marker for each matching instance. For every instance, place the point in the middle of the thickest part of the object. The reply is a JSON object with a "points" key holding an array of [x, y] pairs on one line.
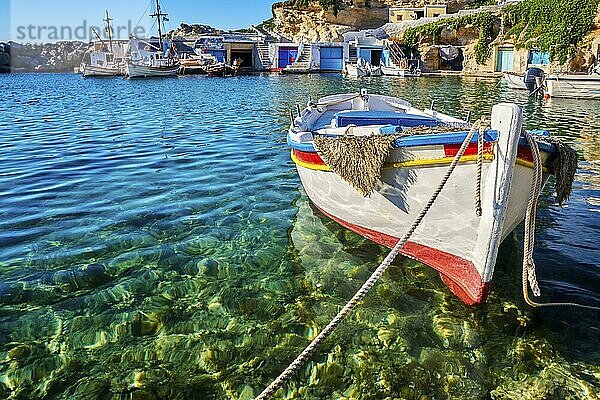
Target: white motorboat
{"points": [[454, 239], [515, 81], [361, 68], [394, 70], [573, 86]]}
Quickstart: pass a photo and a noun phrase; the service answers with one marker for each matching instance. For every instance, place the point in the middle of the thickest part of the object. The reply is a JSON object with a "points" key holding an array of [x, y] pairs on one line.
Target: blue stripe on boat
{"points": [[417, 140], [545, 147], [444, 138]]}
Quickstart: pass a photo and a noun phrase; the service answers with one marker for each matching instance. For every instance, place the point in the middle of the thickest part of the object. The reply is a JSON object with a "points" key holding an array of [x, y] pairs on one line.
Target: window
{"points": [[537, 57]]}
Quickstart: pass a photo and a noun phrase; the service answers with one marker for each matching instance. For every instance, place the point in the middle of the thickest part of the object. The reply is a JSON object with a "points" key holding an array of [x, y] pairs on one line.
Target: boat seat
{"points": [[364, 118]]}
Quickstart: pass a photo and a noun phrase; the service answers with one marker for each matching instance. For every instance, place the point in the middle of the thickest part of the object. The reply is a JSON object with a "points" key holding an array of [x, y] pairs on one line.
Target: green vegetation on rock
{"points": [[556, 26], [484, 21], [326, 4]]}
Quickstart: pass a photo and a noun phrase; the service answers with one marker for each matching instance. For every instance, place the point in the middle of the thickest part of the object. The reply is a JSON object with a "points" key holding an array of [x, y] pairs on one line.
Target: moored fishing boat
{"points": [[196, 63], [150, 59], [104, 60], [573, 86], [388, 158]]}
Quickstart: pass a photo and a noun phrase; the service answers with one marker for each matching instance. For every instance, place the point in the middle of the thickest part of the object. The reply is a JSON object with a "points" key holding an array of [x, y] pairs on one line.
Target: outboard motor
{"points": [[534, 78]]}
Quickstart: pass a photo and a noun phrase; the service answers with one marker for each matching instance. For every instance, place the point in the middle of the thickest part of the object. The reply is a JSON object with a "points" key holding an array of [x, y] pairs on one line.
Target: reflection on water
{"points": [[155, 244]]}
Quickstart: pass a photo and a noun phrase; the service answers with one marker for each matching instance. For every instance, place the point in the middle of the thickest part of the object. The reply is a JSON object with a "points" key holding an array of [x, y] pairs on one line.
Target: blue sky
{"points": [[225, 14]]}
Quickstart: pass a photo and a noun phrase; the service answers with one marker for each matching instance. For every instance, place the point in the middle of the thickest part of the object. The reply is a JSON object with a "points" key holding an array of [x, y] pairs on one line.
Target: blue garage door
{"points": [[287, 56], [332, 58]]}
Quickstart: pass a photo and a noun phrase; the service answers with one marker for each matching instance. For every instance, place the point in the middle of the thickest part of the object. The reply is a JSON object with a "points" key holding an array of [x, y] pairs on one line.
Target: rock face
{"points": [[4, 57], [313, 23], [50, 57], [189, 31]]}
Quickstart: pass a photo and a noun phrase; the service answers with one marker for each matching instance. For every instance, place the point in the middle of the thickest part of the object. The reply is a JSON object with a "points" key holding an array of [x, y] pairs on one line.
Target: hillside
{"points": [[327, 20]]}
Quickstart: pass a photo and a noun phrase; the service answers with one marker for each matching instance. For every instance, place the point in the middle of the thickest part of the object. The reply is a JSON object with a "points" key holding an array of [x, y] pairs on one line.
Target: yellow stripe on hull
{"points": [[405, 164]]}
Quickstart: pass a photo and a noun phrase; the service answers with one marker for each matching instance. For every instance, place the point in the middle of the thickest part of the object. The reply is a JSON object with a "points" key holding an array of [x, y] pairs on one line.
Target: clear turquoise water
{"points": [[155, 244]]}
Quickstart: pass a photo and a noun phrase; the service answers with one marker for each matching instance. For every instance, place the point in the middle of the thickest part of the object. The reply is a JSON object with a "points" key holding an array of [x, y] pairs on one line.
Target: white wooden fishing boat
{"points": [[573, 86], [97, 70], [453, 238], [394, 70], [150, 59], [152, 69], [106, 59], [515, 81]]}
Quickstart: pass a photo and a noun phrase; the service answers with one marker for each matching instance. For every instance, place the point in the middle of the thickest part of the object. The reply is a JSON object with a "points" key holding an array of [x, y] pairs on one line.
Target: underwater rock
{"points": [[41, 285], [208, 267], [145, 324]]}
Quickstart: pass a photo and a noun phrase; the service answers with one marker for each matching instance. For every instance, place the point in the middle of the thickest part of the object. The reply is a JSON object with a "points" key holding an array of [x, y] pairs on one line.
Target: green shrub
{"points": [[556, 26], [483, 21]]}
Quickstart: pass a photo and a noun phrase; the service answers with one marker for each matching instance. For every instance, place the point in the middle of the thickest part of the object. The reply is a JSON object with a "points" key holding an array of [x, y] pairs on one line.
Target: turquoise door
{"points": [[506, 57]]}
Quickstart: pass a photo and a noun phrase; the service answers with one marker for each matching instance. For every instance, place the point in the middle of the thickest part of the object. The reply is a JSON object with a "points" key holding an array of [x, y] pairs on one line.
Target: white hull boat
{"points": [[453, 239], [355, 70], [361, 68], [150, 59], [515, 81], [573, 86], [91, 70], [149, 71], [402, 72]]}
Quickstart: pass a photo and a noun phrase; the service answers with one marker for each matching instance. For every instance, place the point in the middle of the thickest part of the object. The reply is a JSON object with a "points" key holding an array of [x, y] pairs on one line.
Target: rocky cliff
{"points": [[297, 21], [50, 57]]}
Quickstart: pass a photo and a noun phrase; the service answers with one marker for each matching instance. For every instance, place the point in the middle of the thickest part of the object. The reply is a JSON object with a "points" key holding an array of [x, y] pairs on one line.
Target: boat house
{"points": [[368, 45]]}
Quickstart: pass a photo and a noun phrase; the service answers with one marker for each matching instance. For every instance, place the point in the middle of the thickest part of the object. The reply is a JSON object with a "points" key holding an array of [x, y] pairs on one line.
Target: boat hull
{"points": [[95, 71], [574, 86], [144, 71], [392, 71], [353, 70], [514, 81], [452, 238]]}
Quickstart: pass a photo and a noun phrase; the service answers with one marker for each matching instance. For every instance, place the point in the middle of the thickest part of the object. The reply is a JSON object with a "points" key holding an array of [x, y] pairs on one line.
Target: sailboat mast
{"points": [[159, 16], [109, 31]]}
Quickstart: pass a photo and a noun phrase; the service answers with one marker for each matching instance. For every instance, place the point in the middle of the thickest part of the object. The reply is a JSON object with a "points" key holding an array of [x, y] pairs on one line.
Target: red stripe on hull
{"points": [[451, 150], [307, 157], [460, 275]]}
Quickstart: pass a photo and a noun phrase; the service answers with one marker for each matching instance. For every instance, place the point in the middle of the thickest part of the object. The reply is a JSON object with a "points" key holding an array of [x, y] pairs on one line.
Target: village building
{"points": [[400, 14]]}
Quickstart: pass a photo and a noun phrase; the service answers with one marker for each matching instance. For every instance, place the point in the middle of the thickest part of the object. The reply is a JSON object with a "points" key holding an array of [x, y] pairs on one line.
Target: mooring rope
{"points": [[362, 292], [480, 143], [529, 278]]}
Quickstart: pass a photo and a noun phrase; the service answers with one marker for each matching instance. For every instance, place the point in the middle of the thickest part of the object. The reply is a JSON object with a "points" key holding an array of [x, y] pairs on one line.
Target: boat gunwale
{"points": [[490, 136]]}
